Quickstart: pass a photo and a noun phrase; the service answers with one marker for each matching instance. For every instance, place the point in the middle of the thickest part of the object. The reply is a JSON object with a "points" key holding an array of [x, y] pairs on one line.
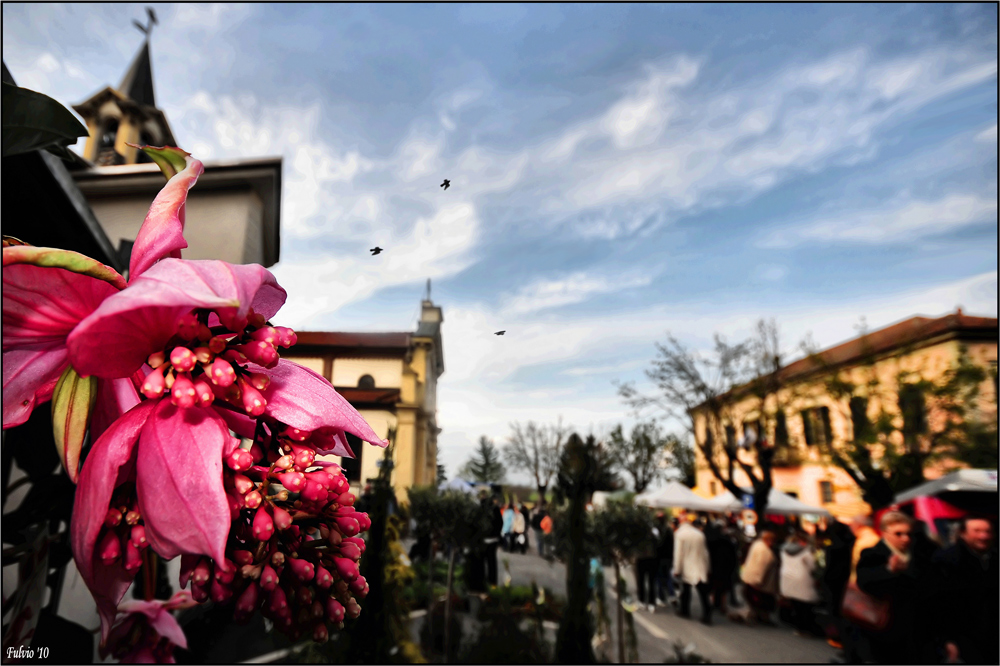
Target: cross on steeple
{"points": [[150, 22]]}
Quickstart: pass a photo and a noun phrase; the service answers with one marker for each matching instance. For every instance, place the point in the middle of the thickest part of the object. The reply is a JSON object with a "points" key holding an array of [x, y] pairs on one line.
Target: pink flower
{"points": [[48, 292], [147, 632]]}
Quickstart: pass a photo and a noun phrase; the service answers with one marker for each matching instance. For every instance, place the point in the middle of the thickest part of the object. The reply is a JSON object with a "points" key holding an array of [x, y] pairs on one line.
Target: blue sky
{"points": [[618, 171]]}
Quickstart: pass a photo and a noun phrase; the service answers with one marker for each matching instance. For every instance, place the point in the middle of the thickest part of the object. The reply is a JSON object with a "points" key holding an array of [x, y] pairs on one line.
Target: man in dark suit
{"points": [[969, 595], [893, 571]]}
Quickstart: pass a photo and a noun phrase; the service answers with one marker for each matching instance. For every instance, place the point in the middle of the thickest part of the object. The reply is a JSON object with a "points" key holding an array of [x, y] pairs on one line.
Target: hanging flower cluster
{"points": [[162, 370]]}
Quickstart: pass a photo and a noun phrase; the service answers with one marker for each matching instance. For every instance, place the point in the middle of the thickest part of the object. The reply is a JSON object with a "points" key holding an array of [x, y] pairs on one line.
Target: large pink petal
{"points": [[162, 232], [114, 398], [159, 617], [107, 464], [179, 481], [118, 337], [305, 400], [29, 377], [42, 305]]}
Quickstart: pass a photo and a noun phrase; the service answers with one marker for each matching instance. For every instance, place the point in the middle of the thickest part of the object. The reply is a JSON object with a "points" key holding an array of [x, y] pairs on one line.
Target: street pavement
{"points": [[723, 642]]}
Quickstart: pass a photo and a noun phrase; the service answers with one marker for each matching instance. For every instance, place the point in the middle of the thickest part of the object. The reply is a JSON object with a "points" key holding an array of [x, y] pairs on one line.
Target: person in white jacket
{"points": [[798, 581], [691, 566]]}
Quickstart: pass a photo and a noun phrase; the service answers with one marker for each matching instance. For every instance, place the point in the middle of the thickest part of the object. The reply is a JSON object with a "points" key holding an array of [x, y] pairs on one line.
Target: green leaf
{"points": [[72, 402], [171, 160], [32, 121]]}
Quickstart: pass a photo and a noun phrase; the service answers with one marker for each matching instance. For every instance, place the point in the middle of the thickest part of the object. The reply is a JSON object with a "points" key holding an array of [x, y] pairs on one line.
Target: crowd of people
{"points": [[891, 595]]}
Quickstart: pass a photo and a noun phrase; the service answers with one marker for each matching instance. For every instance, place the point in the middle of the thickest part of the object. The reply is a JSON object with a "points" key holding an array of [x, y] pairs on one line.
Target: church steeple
{"points": [[126, 114]]}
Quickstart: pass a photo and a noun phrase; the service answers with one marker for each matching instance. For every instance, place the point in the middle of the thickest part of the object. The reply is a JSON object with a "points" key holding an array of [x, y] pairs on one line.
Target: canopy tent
{"points": [[777, 503], [674, 495], [600, 498], [460, 485], [964, 480]]}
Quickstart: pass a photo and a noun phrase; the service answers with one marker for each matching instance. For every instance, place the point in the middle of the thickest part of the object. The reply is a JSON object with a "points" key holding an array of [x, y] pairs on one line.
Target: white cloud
{"points": [[988, 135], [905, 221], [575, 288]]}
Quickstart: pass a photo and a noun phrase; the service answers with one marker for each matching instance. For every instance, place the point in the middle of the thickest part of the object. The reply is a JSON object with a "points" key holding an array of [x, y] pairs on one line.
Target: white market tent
{"points": [[460, 485], [777, 503], [964, 480], [674, 495]]}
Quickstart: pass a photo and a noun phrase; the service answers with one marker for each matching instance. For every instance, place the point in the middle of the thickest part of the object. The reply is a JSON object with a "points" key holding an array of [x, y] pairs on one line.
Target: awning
{"points": [[674, 495], [964, 480], [777, 503], [460, 485]]}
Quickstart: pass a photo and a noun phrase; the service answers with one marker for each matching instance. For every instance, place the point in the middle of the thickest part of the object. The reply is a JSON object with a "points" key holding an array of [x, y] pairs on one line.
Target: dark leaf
{"points": [[32, 121]]}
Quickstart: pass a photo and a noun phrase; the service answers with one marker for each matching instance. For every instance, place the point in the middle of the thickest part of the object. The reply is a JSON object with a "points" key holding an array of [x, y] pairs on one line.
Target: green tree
{"points": [[484, 466]]}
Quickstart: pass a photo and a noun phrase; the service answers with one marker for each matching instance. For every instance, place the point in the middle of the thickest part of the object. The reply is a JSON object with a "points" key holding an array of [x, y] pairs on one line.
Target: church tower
{"points": [[127, 114]]}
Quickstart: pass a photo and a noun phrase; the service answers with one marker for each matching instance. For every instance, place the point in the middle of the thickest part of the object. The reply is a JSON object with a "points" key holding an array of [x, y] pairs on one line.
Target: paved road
{"points": [[723, 642]]}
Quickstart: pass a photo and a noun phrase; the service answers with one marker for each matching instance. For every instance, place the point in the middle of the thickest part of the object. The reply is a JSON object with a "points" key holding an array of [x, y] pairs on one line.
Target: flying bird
{"points": [[500, 332], [375, 250], [446, 184]]}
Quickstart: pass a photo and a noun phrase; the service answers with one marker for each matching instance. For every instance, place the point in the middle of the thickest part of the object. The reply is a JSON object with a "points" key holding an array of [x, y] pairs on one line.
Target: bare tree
{"points": [[688, 383], [536, 448], [642, 455]]}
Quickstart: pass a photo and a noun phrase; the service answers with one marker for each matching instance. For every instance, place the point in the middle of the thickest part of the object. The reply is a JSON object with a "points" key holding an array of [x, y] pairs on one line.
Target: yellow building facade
{"points": [[391, 379], [802, 417]]}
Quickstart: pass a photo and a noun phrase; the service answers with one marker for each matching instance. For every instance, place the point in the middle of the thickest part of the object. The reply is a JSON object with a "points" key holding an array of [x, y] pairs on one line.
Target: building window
{"points": [[780, 430], [730, 438], [914, 411], [816, 426], [859, 418], [352, 466], [366, 382], [755, 426], [110, 134], [826, 492], [709, 439]]}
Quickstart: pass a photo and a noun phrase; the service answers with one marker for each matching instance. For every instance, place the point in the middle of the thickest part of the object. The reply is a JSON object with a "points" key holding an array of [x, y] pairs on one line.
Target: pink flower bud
{"points": [[357, 541], [334, 610], [217, 344], [225, 572], [203, 354], [335, 537], [255, 319], [113, 519], [268, 578], [324, 578], [304, 456], [317, 609], [364, 521], [188, 563], [247, 602], [202, 572], [109, 549], [268, 334], [260, 352], [222, 373], [157, 359], [353, 609], [278, 602], [133, 558], [278, 558], [347, 526], [243, 484], [350, 551], [347, 569], [284, 462], [138, 536], [313, 492], [204, 333], [154, 385], [345, 499], [293, 481], [183, 359], [133, 517], [357, 585], [235, 505], [259, 381], [320, 633], [187, 327], [286, 336], [340, 484], [252, 499], [219, 592], [340, 587], [203, 393], [242, 557], [297, 435], [282, 519], [303, 570], [263, 526], [257, 451], [304, 596], [182, 393], [239, 460], [199, 592], [253, 402]]}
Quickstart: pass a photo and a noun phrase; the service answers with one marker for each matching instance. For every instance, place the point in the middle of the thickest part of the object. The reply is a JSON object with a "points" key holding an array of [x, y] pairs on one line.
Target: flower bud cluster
{"points": [[123, 534], [293, 548]]}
